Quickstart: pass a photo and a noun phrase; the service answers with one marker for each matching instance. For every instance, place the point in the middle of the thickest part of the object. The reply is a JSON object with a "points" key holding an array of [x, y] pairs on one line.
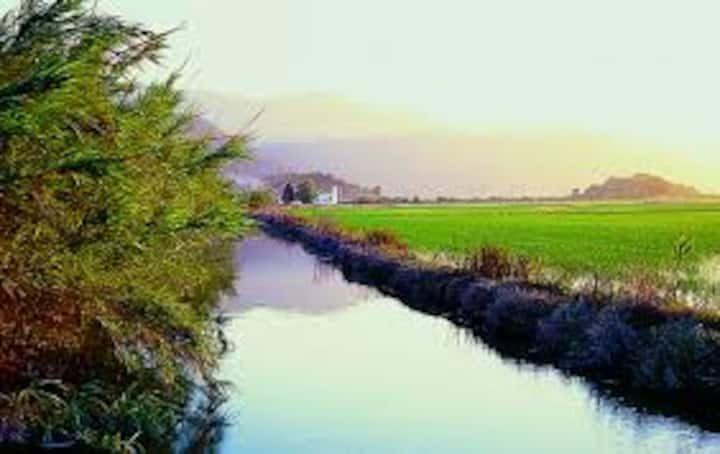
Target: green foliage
{"points": [[93, 415], [307, 191], [682, 249], [115, 228], [260, 198]]}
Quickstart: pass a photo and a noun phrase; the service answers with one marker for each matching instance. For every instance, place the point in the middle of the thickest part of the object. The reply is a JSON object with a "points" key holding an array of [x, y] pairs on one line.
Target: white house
{"points": [[328, 198]]}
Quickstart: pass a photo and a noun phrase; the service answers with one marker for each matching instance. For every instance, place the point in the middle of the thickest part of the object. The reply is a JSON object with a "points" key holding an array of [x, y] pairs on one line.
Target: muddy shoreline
{"points": [[663, 361]]}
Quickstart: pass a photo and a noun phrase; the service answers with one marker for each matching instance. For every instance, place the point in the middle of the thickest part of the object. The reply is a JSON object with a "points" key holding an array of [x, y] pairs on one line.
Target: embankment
{"points": [[617, 342]]}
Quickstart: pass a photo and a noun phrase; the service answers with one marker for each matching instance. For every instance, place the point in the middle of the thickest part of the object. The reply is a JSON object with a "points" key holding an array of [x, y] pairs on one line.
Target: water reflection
{"points": [[282, 276], [322, 366]]}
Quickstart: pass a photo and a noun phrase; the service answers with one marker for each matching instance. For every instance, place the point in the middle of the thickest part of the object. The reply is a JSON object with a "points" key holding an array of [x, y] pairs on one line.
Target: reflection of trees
{"points": [[324, 273], [202, 430], [642, 411], [646, 411]]}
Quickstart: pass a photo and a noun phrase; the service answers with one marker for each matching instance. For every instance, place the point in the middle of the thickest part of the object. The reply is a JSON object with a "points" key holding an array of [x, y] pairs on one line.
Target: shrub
{"points": [[260, 199], [515, 312], [456, 288], [108, 419], [564, 331], [497, 263], [326, 227], [433, 291], [379, 270], [678, 355], [610, 340], [645, 288], [386, 240], [474, 302], [490, 261], [115, 227], [404, 283]]}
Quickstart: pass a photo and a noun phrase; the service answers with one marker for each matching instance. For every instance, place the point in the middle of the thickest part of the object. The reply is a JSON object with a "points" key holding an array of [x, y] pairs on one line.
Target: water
{"points": [[320, 365]]}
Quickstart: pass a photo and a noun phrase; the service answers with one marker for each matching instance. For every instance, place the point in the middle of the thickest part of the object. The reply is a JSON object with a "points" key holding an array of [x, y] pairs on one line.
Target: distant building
{"points": [[328, 198]]}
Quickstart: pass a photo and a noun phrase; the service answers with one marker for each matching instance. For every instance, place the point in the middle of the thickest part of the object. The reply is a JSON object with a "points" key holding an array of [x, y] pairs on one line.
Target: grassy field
{"points": [[608, 239]]}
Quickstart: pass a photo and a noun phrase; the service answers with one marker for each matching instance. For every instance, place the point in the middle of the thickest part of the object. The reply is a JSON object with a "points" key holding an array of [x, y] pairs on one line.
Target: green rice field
{"points": [[606, 239]]}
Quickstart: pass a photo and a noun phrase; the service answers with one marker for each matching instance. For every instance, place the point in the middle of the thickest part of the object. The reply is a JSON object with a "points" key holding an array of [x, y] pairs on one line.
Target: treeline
{"points": [[115, 232]]}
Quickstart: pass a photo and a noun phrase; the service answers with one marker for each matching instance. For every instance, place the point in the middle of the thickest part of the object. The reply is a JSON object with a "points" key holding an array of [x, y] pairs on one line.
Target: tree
{"points": [[260, 198], [288, 195], [307, 191], [113, 221]]}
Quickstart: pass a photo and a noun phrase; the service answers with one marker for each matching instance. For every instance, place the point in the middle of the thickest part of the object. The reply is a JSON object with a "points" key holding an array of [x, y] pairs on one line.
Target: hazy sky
{"points": [[647, 69], [631, 69]]}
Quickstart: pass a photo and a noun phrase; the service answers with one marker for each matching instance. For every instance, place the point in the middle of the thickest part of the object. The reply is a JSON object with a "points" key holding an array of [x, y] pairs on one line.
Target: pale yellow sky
{"points": [[640, 68], [635, 70]]}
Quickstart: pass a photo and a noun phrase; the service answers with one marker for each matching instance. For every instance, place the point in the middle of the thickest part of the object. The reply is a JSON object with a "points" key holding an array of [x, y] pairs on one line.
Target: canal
{"points": [[321, 365]]}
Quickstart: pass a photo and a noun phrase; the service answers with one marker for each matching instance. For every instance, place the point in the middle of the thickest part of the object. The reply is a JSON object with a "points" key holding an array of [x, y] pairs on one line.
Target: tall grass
{"points": [[115, 232]]}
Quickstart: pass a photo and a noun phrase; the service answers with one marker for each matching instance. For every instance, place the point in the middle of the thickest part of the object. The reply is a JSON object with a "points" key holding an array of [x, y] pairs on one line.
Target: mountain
{"points": [[410, 154], [202, 127], [639, 186], [324, 182]]}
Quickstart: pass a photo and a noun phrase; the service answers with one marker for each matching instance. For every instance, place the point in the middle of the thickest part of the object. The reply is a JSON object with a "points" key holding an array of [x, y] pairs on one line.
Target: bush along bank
{"points": [[115, 235], [647, 347]]}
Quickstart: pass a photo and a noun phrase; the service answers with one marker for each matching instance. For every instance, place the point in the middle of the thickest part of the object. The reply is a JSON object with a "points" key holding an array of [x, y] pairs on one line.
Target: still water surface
{"points": [[320, 365]]}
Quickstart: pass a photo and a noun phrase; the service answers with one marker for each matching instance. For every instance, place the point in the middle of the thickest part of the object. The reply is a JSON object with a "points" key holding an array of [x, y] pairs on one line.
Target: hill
{"points": [[202, 127], [408, 154], [639, 186]]}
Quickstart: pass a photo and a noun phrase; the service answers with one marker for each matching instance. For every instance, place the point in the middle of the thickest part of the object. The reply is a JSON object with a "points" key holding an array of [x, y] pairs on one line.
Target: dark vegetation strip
{"points": [[642, 347], [115, 235]]}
